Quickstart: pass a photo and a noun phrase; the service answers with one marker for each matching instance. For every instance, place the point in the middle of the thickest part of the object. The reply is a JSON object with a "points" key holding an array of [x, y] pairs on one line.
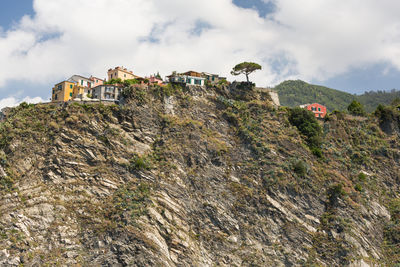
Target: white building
{"points": [[81, 81], [189, 78]]}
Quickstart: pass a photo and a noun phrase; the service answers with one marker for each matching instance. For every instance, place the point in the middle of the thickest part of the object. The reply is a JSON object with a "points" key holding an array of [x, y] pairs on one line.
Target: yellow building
{"points": [[75, 87], [80, 91], [63, 91], [121, 73]]}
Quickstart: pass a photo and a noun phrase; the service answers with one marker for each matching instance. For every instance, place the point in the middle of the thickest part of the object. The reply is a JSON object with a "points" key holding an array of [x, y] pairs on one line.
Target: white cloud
{"points": [[309, 39], [13, 102]]}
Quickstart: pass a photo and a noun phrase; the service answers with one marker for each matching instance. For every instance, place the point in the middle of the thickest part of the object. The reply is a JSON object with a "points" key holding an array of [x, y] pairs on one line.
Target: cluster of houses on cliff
{"points": [[93, 88]]}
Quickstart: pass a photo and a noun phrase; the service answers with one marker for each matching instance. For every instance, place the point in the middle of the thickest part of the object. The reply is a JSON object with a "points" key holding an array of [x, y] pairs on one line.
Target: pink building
{"points": [[96, 81], [155, 80]]}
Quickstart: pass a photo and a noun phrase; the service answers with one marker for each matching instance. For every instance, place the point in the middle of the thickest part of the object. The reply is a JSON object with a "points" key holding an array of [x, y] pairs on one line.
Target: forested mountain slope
{"points": [[295, 93]]}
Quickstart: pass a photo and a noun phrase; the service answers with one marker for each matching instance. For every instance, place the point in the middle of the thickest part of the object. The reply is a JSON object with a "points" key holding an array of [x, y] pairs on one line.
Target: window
{"points": [[81, 82], [70, 94], [124, 75], [319, 109], [70, 86], [111, 76], [55, 98], [53, 91], [189, 80]]}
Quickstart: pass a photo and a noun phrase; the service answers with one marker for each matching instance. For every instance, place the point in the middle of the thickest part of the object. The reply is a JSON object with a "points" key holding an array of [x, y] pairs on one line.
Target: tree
{"points": [[245, 68], [356, 108]]}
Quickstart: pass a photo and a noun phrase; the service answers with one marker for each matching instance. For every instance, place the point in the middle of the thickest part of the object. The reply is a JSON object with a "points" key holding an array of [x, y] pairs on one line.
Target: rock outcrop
{"points": [[193, 177]]}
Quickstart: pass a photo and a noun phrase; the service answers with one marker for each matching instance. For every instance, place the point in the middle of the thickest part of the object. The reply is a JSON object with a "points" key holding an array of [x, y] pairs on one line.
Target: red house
{"points": [[318, 109]]}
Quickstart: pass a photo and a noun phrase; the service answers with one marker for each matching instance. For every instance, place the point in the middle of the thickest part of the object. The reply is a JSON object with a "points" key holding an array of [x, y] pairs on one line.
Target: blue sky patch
{"points": [[21, 89], [11, 11], [263, 8], [200, 27], [358, 80], [49, 36]]}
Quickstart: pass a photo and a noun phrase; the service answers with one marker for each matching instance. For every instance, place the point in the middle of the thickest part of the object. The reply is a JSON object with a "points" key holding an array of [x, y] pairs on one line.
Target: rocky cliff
{"points": [[194, 177]]}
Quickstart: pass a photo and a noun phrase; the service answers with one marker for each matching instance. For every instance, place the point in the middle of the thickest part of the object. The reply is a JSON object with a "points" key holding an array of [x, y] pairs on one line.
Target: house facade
{"points": [[75, 87], [63, 91], [318, 109], [121, 73], [82, 86], [154, 80], [212, 78], [96, 81], [188, 78], [106, 92], [81, 81]]}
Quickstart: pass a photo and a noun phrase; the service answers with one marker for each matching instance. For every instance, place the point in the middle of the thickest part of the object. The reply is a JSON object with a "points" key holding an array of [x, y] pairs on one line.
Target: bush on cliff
{"points": [[356, 108], [308, 126]]}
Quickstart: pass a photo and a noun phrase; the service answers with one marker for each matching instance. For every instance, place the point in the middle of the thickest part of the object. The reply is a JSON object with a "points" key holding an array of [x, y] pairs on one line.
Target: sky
{"points": [[351, 45]]}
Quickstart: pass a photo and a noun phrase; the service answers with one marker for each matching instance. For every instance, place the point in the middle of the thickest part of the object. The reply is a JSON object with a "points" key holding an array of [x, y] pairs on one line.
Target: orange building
{"points": [[318, 109]]}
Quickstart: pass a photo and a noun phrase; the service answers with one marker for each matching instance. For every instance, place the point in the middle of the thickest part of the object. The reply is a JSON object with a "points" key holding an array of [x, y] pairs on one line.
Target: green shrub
{"points": [[135, 92], [140, 163], [334, 193], [223, 82], [387, 114], [25, 105], [340, 115], [132, 200], [6, 183], [308, 126], [356, 108], [362, 177], [358, 187], [359, 158], [114, 81], [300, 168], [317, 151]]}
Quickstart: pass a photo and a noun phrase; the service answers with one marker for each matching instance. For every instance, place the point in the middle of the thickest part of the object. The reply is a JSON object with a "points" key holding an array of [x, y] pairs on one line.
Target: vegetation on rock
{"points": [[192, 176], [356, 108], [308, 126]]}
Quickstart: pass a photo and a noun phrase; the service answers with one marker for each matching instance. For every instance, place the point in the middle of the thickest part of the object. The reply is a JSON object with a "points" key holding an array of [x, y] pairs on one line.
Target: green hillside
{"points": [[294, 93], [372, 99]]}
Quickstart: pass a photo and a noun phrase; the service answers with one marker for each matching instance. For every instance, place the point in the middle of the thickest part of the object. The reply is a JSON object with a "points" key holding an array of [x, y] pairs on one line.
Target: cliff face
{"points": [[193, 177]]}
